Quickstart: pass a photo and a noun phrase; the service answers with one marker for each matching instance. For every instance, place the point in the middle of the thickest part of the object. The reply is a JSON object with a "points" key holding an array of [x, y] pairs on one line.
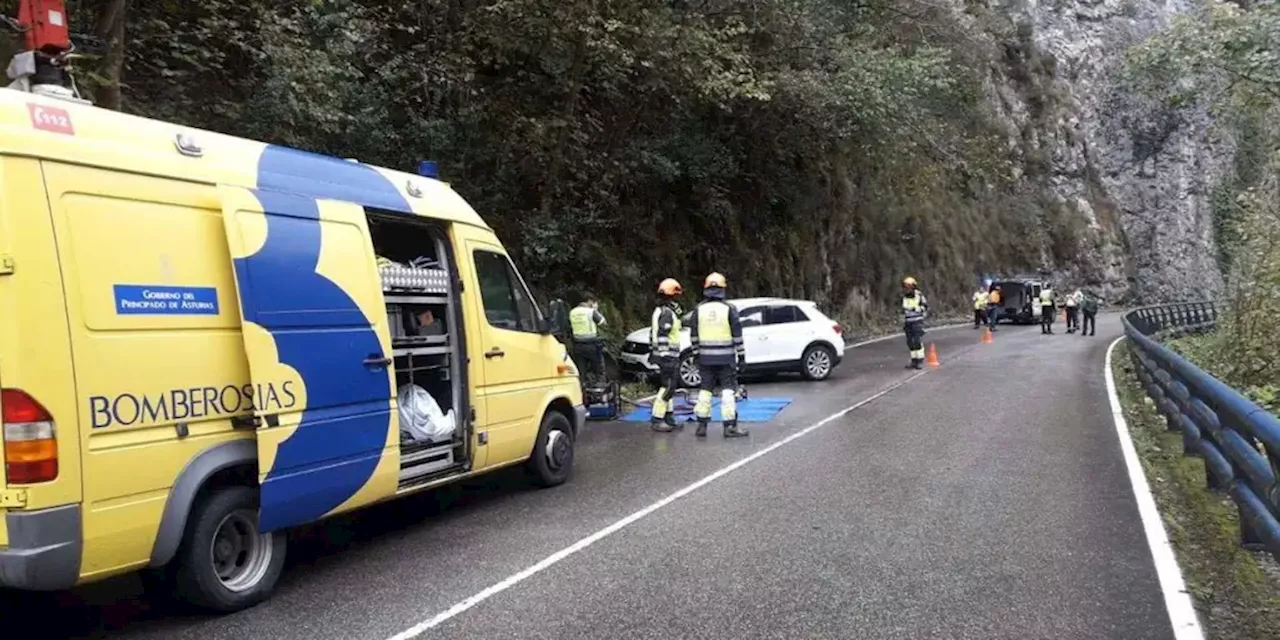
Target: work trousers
{"points": [[915, 339], [1073, 318], [589, 355], [725, 378], [1090, 324], [1046, 318], [669, 381]]}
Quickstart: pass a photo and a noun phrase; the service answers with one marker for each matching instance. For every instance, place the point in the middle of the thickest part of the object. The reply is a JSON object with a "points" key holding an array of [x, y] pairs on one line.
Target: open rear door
{"points": [[319, 352]]}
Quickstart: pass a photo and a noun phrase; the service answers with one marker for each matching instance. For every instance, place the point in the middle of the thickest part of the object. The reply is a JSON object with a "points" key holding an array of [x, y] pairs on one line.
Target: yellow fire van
{"points": [[206, 340]]}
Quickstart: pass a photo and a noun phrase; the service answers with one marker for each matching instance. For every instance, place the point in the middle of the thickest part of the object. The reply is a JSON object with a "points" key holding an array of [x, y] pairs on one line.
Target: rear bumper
{"points": [[44, 549]]}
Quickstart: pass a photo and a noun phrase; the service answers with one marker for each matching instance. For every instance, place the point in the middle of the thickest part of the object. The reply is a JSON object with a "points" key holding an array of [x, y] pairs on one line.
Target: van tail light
{"points": [[839, 329], [30, 443]]}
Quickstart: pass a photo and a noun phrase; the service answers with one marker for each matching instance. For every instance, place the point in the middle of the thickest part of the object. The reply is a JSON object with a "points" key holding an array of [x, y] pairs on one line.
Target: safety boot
{"points": [[731, 430], [917, 364], [661, 426], [670, 420], [702, 428]]}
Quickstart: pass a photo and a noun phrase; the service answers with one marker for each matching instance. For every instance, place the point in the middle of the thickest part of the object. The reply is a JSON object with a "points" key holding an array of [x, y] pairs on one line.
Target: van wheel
{"points": [[225, 564], [817, 362], [552, 461]]}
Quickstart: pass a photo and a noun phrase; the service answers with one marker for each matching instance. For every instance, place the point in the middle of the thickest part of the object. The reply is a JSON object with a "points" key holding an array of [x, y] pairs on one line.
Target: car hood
{"points": [[641, 336]]}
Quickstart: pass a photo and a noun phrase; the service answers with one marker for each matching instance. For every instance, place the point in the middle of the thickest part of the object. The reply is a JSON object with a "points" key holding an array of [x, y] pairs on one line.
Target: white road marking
{"points": [[1182, 612], [440, 618]]}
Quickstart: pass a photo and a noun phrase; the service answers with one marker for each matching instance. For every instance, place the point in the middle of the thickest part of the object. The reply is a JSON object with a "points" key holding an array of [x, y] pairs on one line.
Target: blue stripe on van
{"points": [[320, 332]]}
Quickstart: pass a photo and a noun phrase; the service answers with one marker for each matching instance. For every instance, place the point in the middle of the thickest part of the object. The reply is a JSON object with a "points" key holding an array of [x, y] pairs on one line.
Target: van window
{"points": [[507, 304]]}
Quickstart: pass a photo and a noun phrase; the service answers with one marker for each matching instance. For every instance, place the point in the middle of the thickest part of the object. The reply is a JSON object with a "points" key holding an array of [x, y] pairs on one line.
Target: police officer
{"points": [[716, 333], [979, 308], [585, 321], [664, 336], [1047, 309], [914, 309]]}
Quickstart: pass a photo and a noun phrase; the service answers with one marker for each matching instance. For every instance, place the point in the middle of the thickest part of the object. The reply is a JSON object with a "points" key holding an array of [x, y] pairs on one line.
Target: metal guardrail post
{"points": [[1238, 440]]}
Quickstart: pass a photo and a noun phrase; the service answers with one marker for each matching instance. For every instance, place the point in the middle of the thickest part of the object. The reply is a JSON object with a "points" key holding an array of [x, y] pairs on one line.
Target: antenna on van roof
{"points": [[45, 67]]}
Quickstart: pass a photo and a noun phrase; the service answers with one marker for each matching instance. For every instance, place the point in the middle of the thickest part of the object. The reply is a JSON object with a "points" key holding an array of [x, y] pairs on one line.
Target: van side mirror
{"points": [[557, 322]]}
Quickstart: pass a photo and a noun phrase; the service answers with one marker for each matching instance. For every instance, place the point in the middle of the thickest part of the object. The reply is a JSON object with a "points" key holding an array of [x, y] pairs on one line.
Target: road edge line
{"points": [[549, 561], [1177, 600]]}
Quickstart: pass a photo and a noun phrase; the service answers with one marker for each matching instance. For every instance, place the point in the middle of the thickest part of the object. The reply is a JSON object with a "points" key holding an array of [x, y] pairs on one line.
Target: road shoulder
{"points": [[1229, 592]]}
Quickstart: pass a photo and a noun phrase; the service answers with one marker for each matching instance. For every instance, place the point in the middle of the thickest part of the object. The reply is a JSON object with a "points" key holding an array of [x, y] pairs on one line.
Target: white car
{"points": [[778, 334]]}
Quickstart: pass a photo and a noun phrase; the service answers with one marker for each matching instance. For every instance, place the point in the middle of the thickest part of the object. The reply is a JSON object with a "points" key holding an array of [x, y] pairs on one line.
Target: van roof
{"points": [[37, 126]]}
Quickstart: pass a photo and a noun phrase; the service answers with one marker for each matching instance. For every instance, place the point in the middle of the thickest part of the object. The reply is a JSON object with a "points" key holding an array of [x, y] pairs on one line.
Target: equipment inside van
{"points": [[1016, 295]]}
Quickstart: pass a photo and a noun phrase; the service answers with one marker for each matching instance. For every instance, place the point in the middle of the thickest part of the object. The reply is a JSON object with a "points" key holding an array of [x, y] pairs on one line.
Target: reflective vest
{"points": [[1046, 297], [716, 343], [913, 307], [583, 322], [994, 296], [980, 300], [665, 345]]}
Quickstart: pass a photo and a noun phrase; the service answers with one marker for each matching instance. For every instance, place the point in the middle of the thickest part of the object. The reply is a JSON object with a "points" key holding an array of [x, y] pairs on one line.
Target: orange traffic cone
{"points": [[986, 336], [933, 356]]}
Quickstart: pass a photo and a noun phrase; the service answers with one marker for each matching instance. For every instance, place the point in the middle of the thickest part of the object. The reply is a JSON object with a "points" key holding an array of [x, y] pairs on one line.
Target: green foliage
{"points": [[814, 148], [1228, 58]]}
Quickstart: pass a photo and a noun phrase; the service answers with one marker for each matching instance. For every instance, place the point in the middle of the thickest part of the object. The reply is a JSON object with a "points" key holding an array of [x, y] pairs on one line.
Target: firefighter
{"points": [[914, 309], [585, 321], [716, 333], [664, 335], [980, 298], [1047, 309], [993, 307], [1073, 311]]}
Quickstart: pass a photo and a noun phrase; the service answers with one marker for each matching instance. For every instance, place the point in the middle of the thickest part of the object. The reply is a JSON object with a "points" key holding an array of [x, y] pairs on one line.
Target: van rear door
{"points": [[319, 353]]}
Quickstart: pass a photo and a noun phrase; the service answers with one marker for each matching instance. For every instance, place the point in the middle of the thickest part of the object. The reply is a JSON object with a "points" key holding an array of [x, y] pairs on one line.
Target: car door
{"points": [[788, 332], [511, 346], [318, 352], [754, 339]]}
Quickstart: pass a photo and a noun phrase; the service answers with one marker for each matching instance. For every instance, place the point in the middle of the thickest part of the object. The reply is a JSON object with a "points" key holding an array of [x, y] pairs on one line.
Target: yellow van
{"points": [[206, 340]]}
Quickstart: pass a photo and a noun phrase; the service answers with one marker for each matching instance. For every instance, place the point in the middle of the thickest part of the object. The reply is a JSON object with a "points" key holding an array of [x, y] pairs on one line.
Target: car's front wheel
{"points": [[690, 377], [817, 362]]}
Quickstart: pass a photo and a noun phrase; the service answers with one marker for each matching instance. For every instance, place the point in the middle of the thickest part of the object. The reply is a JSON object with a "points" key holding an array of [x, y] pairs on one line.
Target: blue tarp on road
{"points": [[750, 410]]}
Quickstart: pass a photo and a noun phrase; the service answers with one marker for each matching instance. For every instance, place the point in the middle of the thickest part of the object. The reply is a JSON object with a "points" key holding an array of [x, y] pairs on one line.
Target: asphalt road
{"points": [[985, 499]]}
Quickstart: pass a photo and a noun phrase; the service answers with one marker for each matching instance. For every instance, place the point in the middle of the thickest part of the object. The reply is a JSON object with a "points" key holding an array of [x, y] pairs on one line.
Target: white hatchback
{"points": [[779, 335]]}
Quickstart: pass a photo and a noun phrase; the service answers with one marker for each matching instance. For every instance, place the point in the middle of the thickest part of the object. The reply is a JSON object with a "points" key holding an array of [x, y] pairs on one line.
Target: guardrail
{"points": [[1238, 440]]}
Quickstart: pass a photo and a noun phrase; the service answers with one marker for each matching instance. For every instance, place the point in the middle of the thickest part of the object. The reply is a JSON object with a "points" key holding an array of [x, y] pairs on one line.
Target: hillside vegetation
{"points": [[816, 148], [1228, 57]]}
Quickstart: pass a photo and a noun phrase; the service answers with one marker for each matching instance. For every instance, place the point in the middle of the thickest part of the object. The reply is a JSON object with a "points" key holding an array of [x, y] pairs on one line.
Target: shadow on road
{"points": [[117, 604]]}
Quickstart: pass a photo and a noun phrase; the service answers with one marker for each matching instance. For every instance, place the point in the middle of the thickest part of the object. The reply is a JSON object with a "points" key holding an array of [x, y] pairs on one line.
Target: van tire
{"points": [[552, 460], [226, 522]]}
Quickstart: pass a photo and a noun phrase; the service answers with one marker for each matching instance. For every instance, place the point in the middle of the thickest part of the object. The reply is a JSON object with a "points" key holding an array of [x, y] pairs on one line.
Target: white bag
{"points": [[420, 415]]}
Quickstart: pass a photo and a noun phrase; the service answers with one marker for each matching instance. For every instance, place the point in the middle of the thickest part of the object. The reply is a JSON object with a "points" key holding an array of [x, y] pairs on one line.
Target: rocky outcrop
{"points": [[1134, 176]]}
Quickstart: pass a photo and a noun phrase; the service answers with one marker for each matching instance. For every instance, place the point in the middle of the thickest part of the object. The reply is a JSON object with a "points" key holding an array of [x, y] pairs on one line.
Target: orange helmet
{"points": [[715, 280], [670, 287]]}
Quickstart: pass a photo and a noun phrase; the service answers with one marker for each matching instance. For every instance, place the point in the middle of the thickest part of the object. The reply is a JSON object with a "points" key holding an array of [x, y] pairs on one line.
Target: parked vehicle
{"points": [[780, 335], [208, 340], [1016, 295]]}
